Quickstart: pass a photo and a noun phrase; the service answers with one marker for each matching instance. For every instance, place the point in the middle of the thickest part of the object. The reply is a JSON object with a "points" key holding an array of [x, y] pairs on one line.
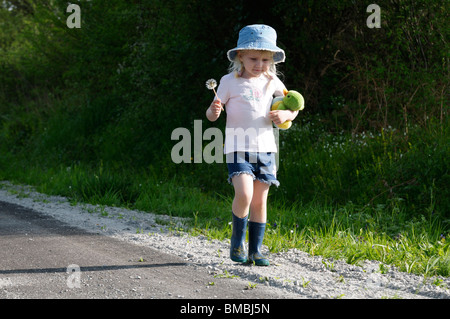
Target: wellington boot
{"points": [[238, 253], [255, 239]]}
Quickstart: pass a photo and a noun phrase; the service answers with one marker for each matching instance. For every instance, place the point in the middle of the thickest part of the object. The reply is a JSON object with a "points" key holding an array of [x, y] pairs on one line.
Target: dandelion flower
{"points": [[211, 84]]}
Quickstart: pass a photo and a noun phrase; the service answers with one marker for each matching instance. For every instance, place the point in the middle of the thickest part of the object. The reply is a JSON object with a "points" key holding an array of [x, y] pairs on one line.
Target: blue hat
{"points": [[258, 37]]}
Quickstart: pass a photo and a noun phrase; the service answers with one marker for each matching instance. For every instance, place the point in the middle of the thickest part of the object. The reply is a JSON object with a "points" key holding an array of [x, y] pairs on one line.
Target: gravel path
{"points": [[293, 273]]}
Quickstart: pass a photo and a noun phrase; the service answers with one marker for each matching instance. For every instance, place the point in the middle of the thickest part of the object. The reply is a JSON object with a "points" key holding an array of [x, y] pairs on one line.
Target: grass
{"points": [[356, 197], [353, 235], [350, 232]]}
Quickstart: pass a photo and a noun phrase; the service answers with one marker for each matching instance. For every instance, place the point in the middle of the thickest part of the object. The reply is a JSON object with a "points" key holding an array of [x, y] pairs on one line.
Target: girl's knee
{"points": [[258, 204], [243, 197], [243, 187]]}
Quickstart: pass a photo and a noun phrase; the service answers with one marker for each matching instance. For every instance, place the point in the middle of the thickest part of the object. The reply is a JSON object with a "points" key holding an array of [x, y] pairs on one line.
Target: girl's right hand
{"points": [[214, 110], [216, 107]]}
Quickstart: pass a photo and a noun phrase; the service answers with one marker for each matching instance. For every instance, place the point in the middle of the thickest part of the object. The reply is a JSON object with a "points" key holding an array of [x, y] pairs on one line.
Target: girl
{"points": [[247, 93]]}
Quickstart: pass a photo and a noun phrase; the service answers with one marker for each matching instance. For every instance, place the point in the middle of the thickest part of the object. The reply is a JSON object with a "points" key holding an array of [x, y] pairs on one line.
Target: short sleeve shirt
{"points": [[247, 103]]}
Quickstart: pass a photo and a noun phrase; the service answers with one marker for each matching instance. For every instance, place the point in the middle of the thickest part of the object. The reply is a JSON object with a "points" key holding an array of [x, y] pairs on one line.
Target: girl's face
{"points": [[255, 62]]}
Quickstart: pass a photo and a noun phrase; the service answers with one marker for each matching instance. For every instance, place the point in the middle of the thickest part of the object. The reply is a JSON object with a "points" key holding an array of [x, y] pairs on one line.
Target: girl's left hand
{"points": [[280, 116]]}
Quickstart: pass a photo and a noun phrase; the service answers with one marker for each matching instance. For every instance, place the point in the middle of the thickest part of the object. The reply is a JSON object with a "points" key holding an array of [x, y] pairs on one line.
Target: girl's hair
{"points": [[237, 67]]}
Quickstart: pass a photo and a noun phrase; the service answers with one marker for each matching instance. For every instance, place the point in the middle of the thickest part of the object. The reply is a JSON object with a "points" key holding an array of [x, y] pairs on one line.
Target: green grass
{"points": [[349, 232], [97, 129], [354, 235], [341, 195]]}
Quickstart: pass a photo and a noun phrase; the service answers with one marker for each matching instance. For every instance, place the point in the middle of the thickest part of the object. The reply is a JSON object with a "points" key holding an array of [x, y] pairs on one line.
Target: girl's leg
{"points": [[258, 205], [257, 224], [243, 193], [243, 187]]}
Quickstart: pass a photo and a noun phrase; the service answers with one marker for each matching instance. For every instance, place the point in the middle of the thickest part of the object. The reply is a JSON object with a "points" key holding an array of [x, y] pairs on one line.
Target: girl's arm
{"points": [[213, 111], [281, 116]]}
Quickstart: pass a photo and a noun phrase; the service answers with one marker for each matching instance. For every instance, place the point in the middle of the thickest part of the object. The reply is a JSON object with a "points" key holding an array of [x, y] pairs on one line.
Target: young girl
{"points": [[247, 93]]}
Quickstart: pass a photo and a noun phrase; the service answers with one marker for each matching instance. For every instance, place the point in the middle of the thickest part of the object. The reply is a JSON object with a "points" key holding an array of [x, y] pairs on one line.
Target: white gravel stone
{"points": [[293, 272]]}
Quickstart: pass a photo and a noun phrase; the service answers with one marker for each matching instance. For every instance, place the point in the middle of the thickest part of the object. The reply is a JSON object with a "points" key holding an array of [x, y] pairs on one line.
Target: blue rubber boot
{"points": [[238, 253], [255, 239]]}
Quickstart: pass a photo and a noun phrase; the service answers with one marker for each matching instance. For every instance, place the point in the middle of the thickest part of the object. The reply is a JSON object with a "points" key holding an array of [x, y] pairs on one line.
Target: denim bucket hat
{"points": [[258, 37]]}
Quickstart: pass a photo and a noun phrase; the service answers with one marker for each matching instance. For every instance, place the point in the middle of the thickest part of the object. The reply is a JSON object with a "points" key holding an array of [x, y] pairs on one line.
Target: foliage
{"points": [[388, 167], [93, 108]]}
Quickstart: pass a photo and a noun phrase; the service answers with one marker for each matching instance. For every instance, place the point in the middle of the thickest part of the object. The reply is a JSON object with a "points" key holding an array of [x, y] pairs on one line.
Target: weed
{"points": [[341, 279], [225, 274], [250, 286]]}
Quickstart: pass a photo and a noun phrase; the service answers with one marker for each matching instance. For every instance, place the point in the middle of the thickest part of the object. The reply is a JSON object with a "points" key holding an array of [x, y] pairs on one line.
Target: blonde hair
{"points": [[237, 67]]}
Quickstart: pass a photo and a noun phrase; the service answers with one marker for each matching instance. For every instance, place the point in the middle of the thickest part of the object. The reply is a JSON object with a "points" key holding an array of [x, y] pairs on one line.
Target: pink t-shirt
{"points": [[247, 103]]}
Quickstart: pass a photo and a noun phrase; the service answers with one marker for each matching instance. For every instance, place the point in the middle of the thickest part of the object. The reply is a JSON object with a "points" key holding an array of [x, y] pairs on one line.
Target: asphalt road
{"points": [[41, 257]]}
